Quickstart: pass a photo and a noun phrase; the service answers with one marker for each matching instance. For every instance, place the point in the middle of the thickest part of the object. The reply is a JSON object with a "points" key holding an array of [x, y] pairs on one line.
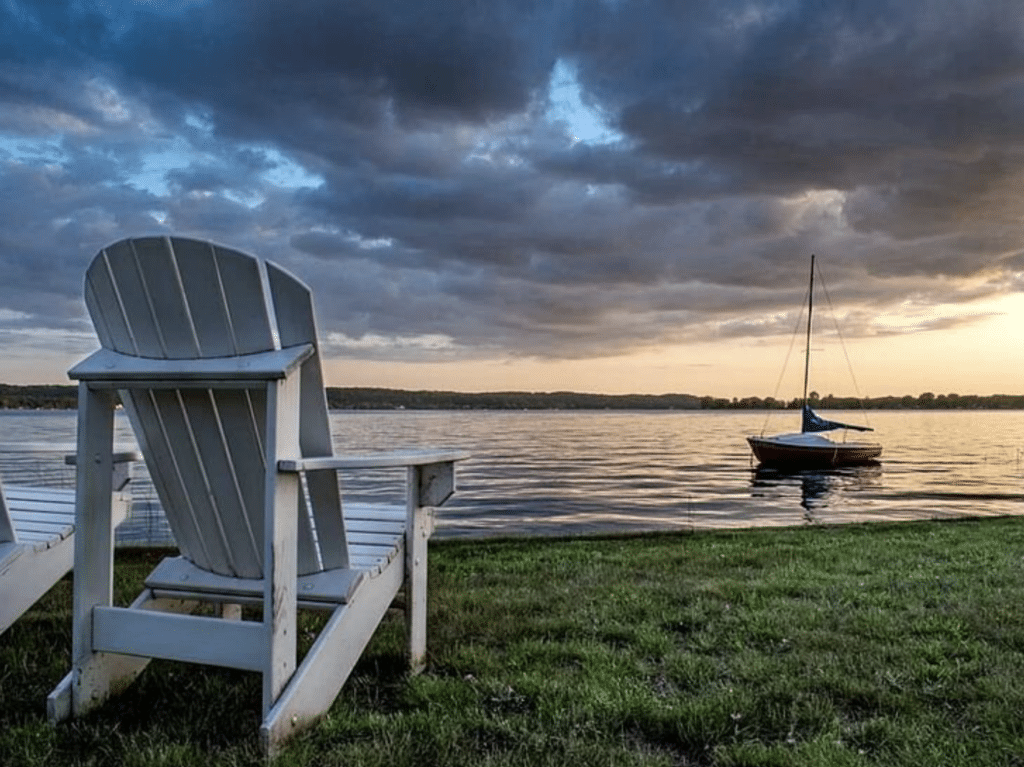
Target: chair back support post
{"points": [[281, 499]]}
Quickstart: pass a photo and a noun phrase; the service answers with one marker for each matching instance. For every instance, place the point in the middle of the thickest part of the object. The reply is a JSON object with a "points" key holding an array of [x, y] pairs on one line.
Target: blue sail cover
{"points": [[813, 422]]}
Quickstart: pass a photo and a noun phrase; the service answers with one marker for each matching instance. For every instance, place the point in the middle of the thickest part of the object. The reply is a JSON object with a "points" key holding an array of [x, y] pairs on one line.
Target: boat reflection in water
{"points": [[818, 487]]}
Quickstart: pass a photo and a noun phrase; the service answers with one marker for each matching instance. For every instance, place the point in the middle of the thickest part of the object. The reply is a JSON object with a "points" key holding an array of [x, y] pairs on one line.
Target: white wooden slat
{"points": [[38, 521], [247, 304], [374, 539], [386, 552], [178, 574], [59, 501], [47, 537], [42, 522], [43, 498], [50, 494], [22, 511], [325, 503], [375, 554], [354, 528], [133, 300], [296, 324], [375, 512], [189, 638], [105, 306], [242, 416], [31, 536], [25, 509], [372, 567], [146, 415], [207, 500], [205, 297], [25, 519], [211, 435], [161, 283], [49, 533]]}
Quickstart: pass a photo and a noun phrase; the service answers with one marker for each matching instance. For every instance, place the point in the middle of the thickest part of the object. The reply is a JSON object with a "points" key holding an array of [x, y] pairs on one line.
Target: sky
{"points": [[600, 196]]}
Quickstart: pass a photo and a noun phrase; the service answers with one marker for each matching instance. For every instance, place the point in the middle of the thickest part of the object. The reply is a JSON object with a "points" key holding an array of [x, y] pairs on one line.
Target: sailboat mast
{"points": [[810, 311]]}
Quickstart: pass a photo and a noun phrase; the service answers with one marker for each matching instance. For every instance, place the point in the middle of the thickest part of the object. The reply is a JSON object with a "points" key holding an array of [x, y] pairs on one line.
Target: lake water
{"points": [[568, 472]]}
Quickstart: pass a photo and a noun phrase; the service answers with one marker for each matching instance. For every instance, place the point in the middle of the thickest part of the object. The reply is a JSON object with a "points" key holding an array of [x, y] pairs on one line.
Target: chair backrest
{"points": [[182, 299]]}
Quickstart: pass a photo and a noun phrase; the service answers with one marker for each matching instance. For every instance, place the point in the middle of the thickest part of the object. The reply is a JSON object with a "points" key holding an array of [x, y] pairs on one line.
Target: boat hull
{"points": [[808, 451]]}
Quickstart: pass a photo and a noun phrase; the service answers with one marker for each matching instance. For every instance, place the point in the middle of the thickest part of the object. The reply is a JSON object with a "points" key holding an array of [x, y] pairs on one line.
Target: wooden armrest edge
{"points": [[396, 459]]}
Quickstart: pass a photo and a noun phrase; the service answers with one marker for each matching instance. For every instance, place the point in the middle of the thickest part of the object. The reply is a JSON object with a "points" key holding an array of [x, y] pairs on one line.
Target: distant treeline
{"points": [[53, 397], [56, 397], [390, 399]]}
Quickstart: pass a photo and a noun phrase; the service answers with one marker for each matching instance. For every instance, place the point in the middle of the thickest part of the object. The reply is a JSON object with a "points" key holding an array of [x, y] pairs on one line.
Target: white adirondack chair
{"points": [[37, 533], [215, 356]]}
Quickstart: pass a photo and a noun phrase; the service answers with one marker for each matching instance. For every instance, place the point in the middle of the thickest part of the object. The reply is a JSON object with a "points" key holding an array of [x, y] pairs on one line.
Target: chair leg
{"points": [[100, 675], [416, 589], [330, 660], [94, 675]]}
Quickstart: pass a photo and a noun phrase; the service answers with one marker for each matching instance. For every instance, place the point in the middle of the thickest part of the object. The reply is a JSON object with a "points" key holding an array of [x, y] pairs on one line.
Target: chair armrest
{"points": [[124, 370], [396, 459], [120, 456], [123, 457], [122, 466], [433, 482]]}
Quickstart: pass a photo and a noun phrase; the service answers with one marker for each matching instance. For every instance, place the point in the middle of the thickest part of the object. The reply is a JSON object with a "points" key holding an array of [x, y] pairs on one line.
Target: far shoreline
{"points": [[64, 397]]}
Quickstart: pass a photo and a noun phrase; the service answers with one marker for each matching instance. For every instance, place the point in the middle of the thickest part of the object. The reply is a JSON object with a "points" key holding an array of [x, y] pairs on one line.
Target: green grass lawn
{"points": [[884, 644]]}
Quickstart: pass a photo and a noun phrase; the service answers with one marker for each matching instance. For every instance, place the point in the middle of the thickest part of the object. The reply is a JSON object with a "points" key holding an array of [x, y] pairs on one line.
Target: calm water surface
{"points": [[560, 472]]}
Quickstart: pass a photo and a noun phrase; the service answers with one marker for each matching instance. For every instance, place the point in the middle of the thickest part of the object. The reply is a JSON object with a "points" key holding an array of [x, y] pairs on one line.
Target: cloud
{"points": [[406, 160]]}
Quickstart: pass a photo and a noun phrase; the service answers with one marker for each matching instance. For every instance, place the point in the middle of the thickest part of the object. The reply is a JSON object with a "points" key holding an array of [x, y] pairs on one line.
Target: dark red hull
{"points": [[772, 452]]}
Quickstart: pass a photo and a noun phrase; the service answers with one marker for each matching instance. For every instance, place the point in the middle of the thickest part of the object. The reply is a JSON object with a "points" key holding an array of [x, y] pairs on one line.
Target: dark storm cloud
{"points": [[402, 158]]}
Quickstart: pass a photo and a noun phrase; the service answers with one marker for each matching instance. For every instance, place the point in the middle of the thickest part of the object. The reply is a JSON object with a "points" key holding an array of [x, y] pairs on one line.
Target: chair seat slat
{"points": [[178, 574]]}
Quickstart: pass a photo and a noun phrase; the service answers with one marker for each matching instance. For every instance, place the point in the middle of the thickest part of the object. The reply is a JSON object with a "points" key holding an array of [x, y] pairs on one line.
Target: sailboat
{"points": [[809, 448]]}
